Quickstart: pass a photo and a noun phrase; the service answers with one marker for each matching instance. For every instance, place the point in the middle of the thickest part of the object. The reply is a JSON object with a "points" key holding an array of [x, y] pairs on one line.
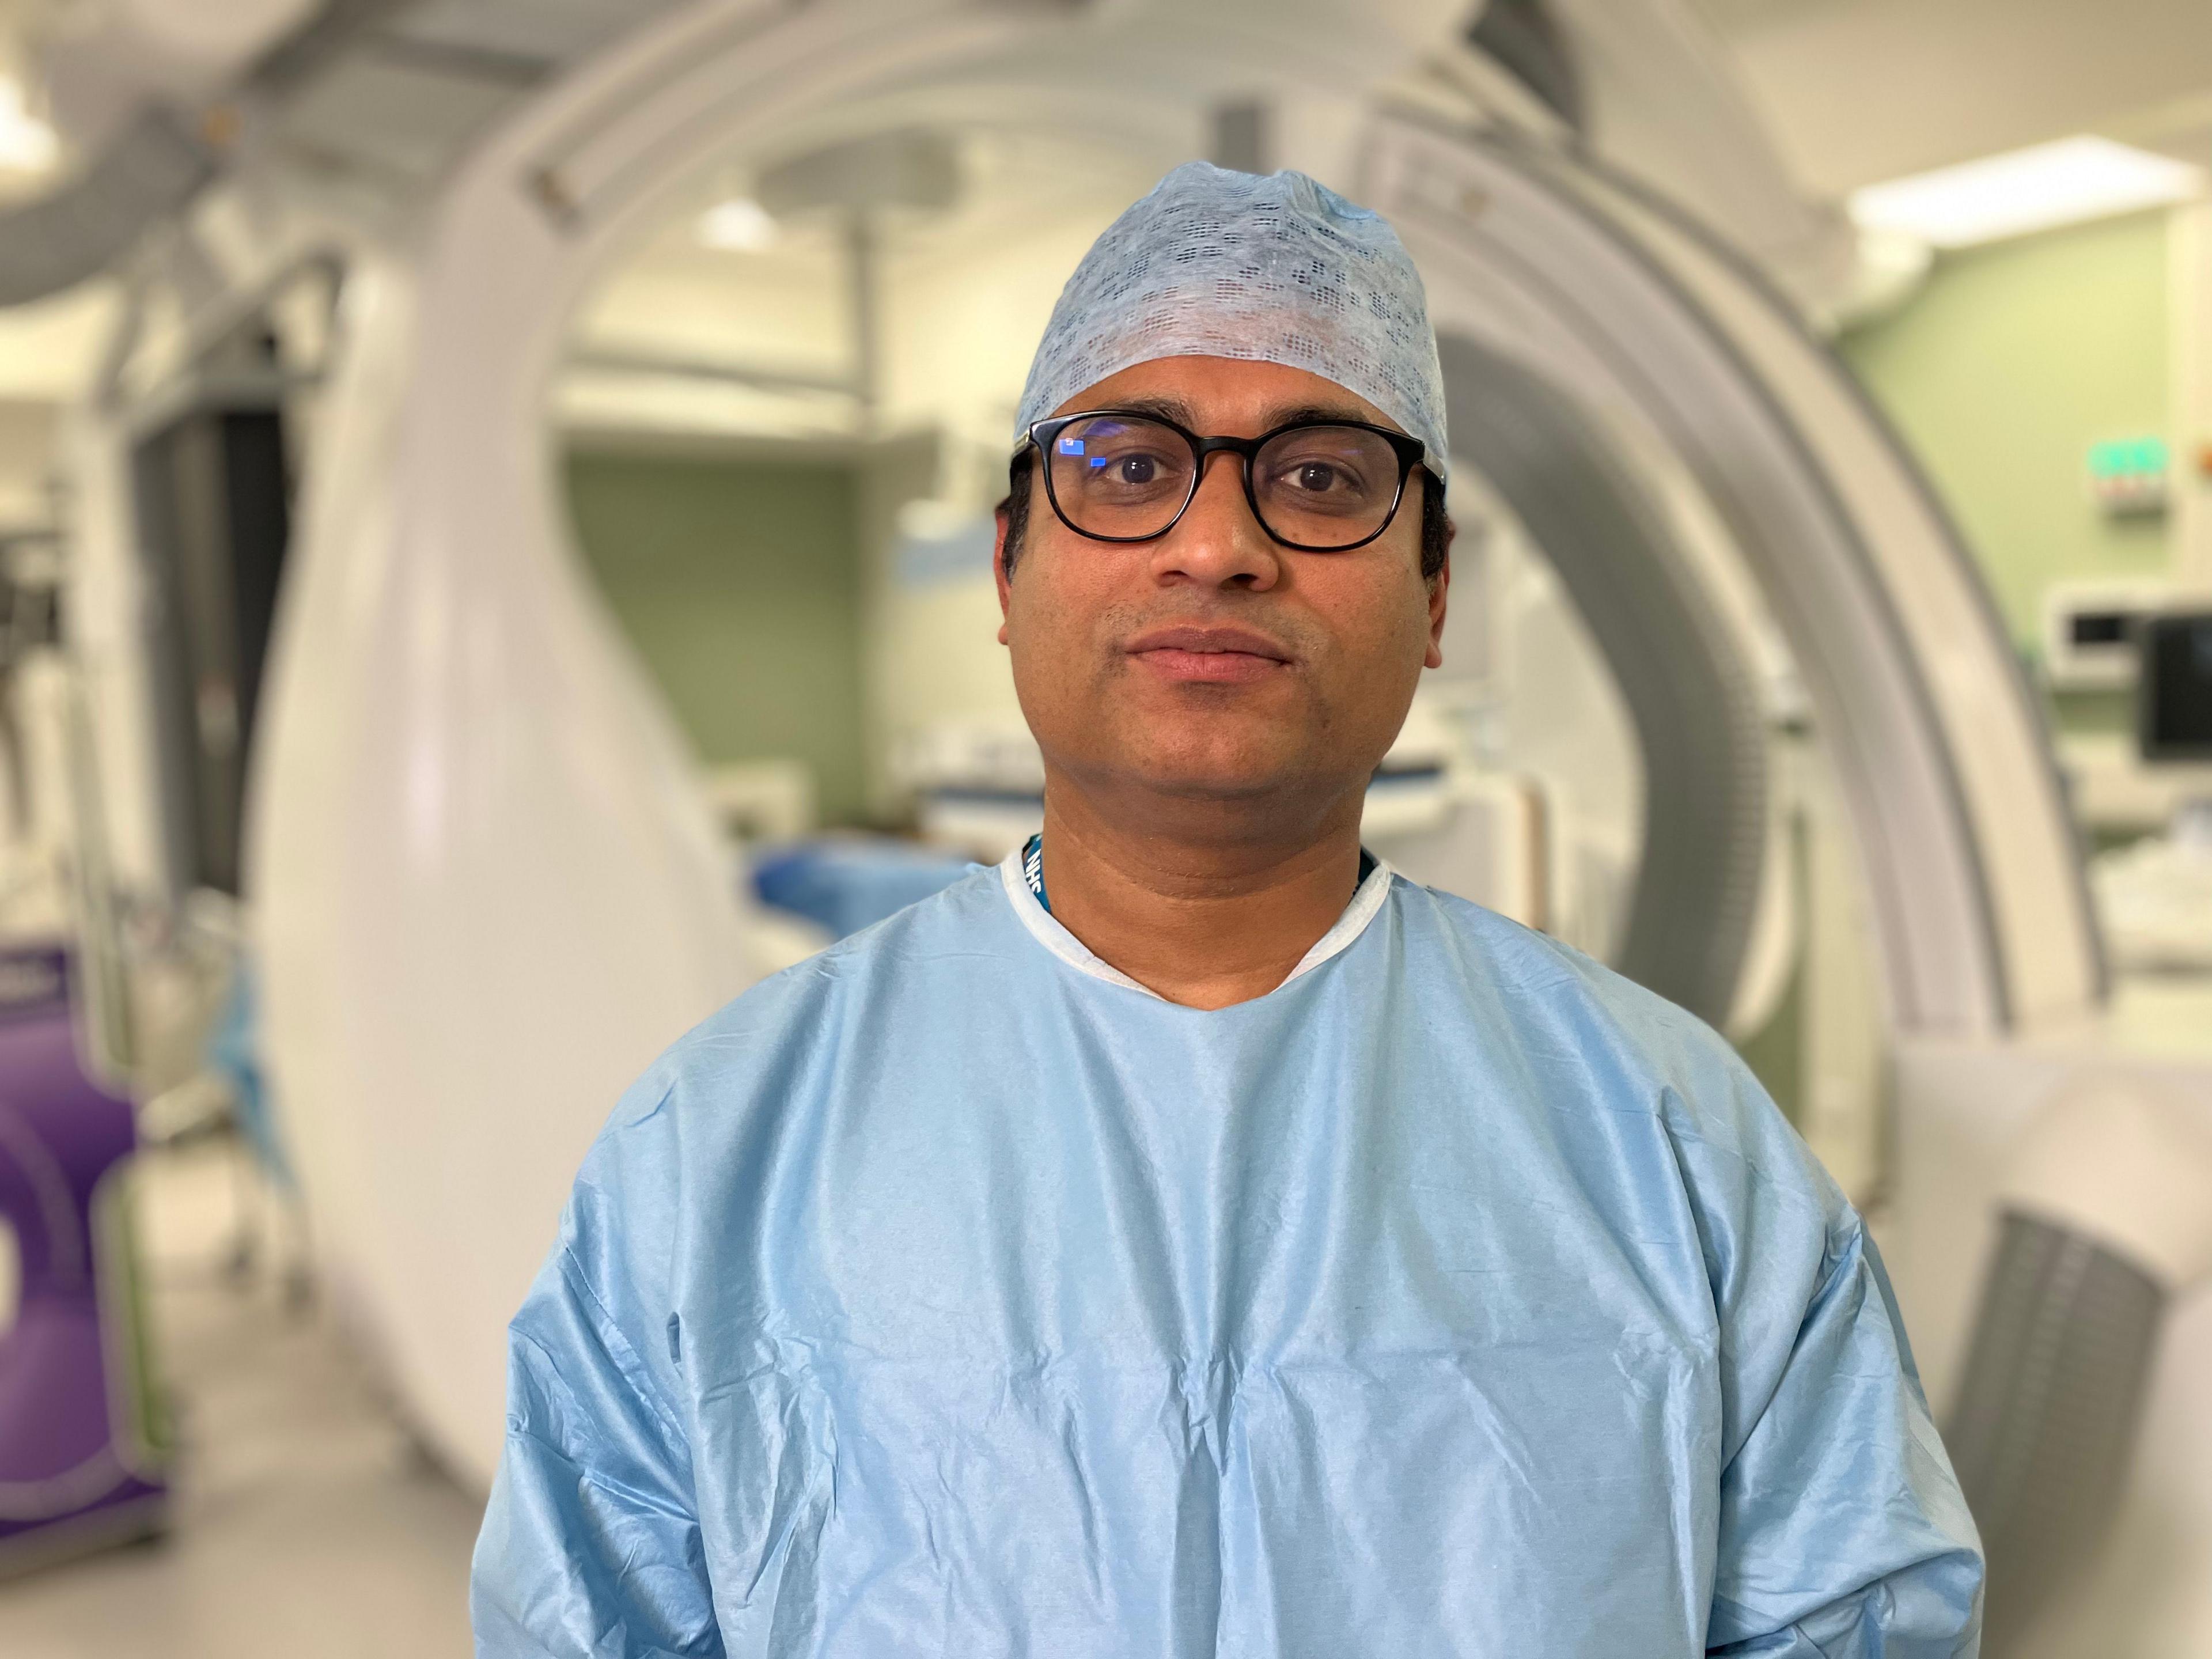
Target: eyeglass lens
{"points": [[1126, 478]]}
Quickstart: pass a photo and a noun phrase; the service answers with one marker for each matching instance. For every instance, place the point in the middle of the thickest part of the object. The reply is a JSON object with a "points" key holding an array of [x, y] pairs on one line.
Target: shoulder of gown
{"points": [[1633, 1050]]}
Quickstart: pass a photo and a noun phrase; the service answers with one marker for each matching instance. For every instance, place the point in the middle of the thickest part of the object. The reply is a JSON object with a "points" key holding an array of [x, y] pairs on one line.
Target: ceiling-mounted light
{"points": [[2040, 188], [26, 143], [741, 224]]}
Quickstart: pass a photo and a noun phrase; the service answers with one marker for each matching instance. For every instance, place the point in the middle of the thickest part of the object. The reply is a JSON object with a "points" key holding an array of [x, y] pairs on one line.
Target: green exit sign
{"points": [[2129, 475]]}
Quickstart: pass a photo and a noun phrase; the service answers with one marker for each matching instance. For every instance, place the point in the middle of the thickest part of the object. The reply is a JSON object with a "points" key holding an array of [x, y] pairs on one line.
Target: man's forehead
{"points": [[1208, 394]]}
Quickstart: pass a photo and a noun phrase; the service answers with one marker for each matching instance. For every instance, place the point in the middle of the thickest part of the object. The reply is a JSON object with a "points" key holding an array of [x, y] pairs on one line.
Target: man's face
{"points": [[1214, 662]]}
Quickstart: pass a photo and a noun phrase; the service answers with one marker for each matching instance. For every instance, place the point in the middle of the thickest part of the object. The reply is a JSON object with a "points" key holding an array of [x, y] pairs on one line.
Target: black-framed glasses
{"points": [[1317, 486]]}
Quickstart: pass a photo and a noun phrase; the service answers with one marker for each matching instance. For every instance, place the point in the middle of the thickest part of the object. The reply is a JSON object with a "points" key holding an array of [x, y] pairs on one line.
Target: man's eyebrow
{"points": [[1171, 408], [1320, 412], [1167, 408], [1161, 407]]}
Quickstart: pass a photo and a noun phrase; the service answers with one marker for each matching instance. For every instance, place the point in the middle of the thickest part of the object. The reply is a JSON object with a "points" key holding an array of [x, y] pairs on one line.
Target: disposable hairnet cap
{"points": [[1275, 269]]}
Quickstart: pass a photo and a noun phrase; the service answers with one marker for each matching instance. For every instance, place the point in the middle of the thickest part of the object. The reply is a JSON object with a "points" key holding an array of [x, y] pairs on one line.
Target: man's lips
{"points": [[1215, 655]]}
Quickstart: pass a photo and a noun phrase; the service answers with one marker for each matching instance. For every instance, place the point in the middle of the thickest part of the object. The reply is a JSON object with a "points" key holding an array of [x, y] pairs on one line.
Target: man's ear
{"points": [[1000, 575], [1439, 590]]}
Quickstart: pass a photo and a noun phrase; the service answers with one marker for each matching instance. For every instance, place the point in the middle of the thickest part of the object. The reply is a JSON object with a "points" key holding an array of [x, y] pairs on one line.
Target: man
{"points": [[1191, 1238]]}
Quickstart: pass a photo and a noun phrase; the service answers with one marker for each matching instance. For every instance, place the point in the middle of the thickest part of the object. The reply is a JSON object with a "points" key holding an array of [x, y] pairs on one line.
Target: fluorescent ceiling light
{"points": [[26, 143], [741, 224], [2039, 188]]}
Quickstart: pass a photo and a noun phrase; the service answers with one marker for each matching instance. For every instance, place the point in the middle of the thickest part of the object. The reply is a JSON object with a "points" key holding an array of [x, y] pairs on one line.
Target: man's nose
{"points": [[1217, 542]]}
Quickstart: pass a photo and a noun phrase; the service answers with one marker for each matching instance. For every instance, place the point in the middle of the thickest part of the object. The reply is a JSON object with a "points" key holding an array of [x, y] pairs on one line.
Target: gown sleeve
{"points": [[590, 1548], [1843, 1534]]}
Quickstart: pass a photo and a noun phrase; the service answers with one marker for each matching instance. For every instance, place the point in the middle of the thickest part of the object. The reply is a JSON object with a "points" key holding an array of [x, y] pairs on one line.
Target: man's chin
{"points": [[1200, 773], [1228, 755]]}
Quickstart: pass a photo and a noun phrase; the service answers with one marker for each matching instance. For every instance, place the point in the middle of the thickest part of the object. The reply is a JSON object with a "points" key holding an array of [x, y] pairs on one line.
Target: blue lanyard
{"points": [[1033, 868]]}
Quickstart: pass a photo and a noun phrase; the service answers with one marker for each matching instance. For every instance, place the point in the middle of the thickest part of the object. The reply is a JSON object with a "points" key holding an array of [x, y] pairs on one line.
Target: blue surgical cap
{"points": [[1273, 269]]}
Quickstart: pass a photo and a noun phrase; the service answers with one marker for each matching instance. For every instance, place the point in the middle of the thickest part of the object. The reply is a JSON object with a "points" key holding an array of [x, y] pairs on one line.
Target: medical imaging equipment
{"points": [[485, 884]]}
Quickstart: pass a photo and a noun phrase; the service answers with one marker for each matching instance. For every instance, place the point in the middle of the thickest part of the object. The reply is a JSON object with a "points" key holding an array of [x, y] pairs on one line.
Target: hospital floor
{"points": [[306, 1524]]}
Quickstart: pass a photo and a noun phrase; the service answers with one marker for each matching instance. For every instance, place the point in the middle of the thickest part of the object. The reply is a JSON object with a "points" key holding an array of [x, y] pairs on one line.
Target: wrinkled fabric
{"points": [[1269, 268], [941, 1296]]}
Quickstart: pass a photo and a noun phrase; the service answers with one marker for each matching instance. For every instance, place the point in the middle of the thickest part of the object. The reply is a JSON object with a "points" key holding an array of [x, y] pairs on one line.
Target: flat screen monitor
{"points": [[2174, 692]]}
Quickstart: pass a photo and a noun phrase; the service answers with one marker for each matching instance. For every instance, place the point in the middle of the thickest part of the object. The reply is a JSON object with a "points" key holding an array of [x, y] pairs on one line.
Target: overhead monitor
{"points": [[2174, 696]]}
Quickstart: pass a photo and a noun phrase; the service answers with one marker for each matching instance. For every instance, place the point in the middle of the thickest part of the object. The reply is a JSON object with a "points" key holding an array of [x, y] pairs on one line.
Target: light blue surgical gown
{"points": [[950, 1295]]}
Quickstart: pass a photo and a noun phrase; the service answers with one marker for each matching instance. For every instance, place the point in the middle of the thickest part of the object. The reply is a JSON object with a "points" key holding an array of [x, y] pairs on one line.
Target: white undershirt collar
{"points": [[1048, 932]]}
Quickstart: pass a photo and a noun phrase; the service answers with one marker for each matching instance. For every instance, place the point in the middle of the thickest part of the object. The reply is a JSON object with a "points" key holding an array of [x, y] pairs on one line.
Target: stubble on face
{"points": [[1192, 738]]}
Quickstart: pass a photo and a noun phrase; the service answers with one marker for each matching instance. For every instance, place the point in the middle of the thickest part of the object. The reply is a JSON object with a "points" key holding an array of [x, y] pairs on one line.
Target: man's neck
{"points": [[1206, 914]]}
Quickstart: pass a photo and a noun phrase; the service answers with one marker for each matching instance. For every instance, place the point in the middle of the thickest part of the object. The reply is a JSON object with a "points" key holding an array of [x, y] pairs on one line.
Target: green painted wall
{"points": [[2004, 370], [739, 584]]}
